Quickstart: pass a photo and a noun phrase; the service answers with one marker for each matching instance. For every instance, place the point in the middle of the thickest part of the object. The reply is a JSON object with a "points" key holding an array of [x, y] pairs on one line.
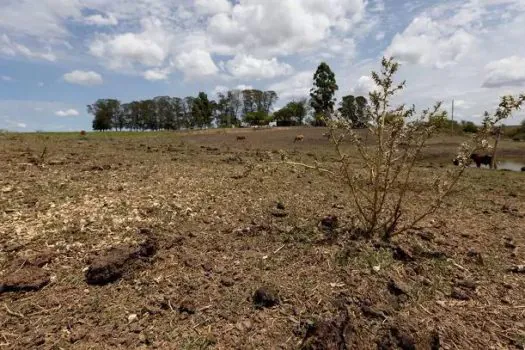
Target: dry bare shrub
{"points": [[381, 184]]}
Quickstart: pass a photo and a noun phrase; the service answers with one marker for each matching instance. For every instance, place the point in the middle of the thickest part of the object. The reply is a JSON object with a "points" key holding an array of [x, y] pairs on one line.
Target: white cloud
{"points": [[99, 20], [380, 36], [148, 48], [12, 124], [246, 66], [365, 85], [11, 48], [296, 86], [156, 74], [432, 43], [508, 71], [278, 27], [196, 63], [6, 78], [40, 84], [243, 87], [125, 49], [41, 19], [211, 7], [86, 78], [67, 113]]}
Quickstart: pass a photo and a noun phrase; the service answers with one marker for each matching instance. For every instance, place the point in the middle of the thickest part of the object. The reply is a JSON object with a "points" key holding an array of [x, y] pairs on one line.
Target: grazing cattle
{"points": [[241, 138], [523, 169], [299, 138], [83, 133], [479, 159]]}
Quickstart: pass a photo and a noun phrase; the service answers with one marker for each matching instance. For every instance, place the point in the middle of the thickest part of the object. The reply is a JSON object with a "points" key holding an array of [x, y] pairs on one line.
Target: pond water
{"points": [[510, 165]]}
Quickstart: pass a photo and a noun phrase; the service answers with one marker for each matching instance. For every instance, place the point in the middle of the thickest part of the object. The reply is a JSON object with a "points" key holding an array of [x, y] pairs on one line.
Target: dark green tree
{"points": [[354, 109], [105, 113], [293, 113], [202, 110], [322, 93]]}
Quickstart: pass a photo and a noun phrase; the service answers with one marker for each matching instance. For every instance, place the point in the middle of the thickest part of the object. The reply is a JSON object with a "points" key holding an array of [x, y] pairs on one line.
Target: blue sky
{"points": [[57, 56]]}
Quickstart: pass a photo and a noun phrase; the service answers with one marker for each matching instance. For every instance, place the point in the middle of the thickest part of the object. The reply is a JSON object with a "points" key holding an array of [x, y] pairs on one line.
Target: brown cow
{"points": [[83, 133], [298, 138], [241, 138]]}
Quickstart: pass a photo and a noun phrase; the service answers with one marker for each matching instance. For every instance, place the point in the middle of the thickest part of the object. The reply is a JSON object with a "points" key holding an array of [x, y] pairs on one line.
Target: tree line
{"points": [[230, 108]]}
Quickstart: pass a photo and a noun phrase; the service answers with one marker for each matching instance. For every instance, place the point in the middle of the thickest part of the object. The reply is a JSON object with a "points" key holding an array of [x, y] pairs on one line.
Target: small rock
{"points": [[132, 318], [280, 206], [265, 297], [459, 294]]}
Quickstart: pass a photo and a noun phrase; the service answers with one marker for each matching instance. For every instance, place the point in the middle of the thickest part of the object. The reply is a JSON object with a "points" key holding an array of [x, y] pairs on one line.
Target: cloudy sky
{"points": [[57, 56]]}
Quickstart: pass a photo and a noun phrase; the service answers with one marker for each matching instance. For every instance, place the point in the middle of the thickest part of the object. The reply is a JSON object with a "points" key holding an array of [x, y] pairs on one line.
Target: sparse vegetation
{"points": [[202, 239]]}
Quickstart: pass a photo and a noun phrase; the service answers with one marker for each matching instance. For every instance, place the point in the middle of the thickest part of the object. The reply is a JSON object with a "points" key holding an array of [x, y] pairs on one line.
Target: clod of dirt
{"points": [[12, 247], [27, 279], [280, 206], [435, 343], [99, 167], [145, 231], [279, 213], [476, 256], [187, 307], [396, 338], [329, 222], [517, 269], [459, 294], [467, 284], [227, 282], [372, 313], [265, 297], [331, 334], [403, 253], [41, 259], [398, 288], [113, 264], [426, 235]]}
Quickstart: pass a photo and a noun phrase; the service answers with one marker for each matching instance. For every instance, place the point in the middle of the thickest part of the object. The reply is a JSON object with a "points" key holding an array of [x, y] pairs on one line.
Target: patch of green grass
{"points": [[197, 344]]}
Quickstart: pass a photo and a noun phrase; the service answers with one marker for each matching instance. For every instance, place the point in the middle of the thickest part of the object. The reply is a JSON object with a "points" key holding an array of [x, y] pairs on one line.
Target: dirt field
{"points": [[199, 222]]}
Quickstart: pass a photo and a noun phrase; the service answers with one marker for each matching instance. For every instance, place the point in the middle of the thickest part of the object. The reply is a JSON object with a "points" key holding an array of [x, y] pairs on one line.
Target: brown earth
{"points": [[204, 241]]}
